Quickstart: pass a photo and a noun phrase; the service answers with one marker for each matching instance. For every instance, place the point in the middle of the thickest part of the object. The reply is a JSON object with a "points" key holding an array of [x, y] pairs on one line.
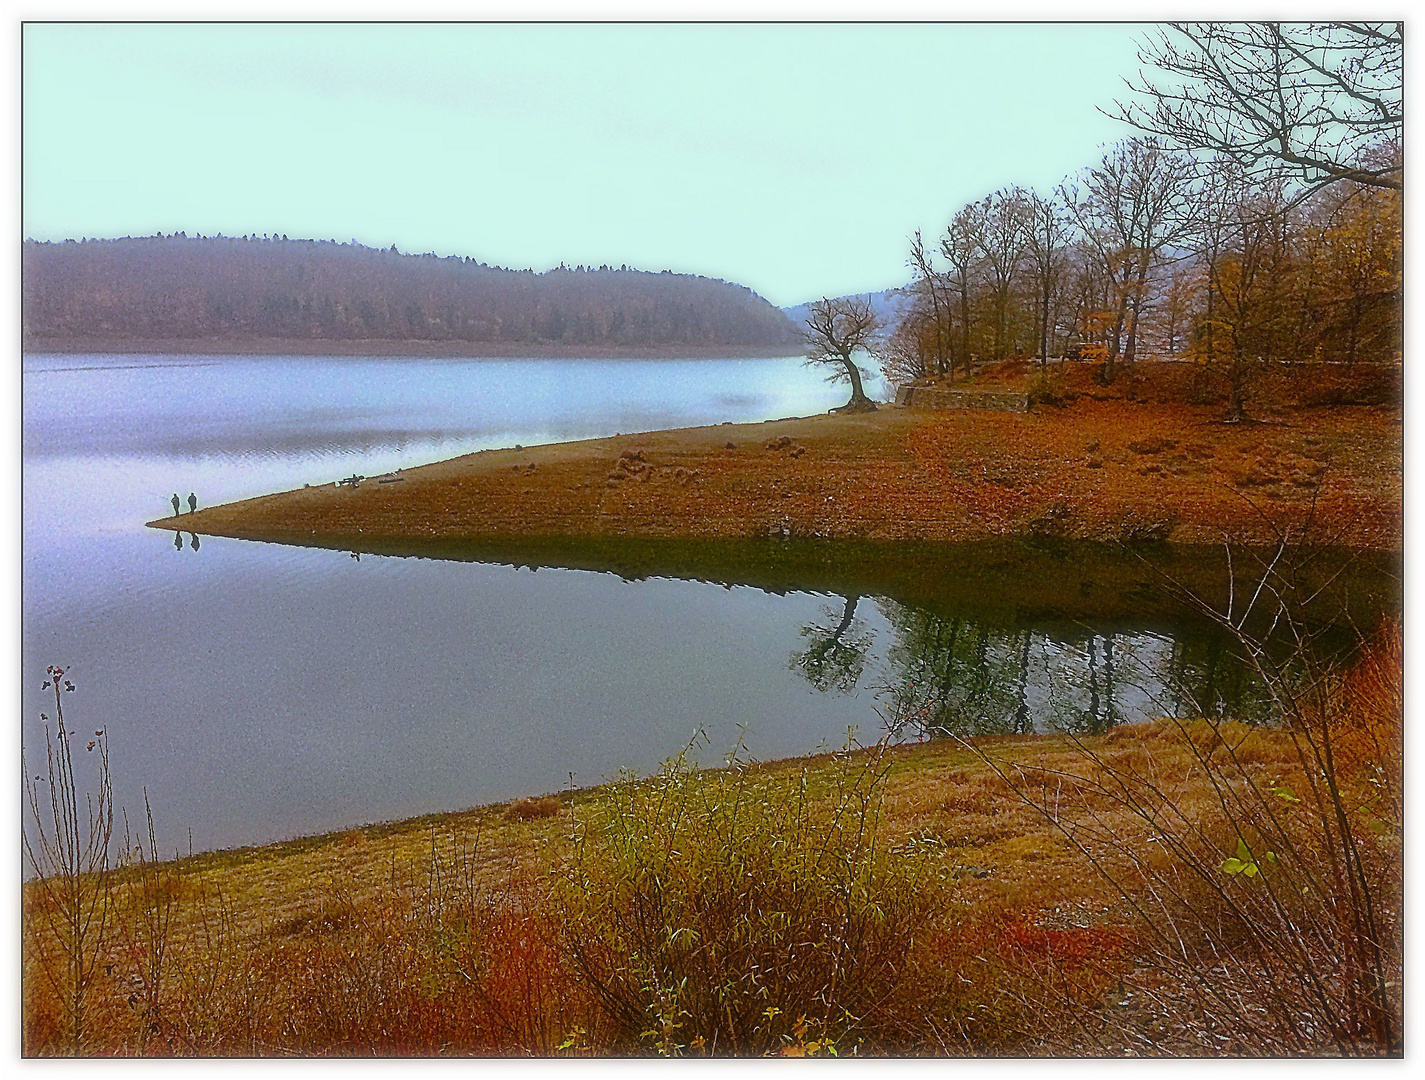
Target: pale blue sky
{"points": [[795, 159]]}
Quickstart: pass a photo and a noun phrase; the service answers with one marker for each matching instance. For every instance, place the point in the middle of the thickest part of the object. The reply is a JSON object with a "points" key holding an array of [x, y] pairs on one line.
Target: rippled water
{"points": [[259, 691]]}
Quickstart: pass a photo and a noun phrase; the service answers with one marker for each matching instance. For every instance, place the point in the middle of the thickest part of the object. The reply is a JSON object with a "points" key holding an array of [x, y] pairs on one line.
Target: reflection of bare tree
{"points": [[1209, 678], [1101, 714], [1023, 721], [947, 675], [1092, 717], [835, 655]]}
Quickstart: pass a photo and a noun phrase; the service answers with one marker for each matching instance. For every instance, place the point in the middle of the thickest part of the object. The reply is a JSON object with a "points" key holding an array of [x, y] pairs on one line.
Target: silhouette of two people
{"points": [[177, 509]]}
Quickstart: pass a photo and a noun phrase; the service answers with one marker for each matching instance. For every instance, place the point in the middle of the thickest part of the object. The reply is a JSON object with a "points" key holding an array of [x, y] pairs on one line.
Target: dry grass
{"points": [[951, 476], [1012, 875], [441, 937], [1261, 870]]}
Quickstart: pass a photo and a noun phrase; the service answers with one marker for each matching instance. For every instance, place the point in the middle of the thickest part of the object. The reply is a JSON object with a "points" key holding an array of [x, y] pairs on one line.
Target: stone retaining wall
{"points": [[926, 397]]}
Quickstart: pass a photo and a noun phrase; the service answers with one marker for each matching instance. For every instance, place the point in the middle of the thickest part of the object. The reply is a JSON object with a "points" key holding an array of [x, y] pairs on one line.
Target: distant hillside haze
{"points": [[889, 306], [179, 290]]}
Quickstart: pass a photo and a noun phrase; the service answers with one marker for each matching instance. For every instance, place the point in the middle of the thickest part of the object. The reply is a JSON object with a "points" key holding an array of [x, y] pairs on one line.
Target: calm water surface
{"points": [[259, 691]]}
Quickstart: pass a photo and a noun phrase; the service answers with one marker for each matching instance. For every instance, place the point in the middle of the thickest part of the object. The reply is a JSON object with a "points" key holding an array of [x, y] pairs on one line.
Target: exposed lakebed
{"points": [[260, 691]]}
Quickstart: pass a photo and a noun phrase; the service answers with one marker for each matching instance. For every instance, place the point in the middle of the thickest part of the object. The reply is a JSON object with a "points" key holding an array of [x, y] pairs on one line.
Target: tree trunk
{"points": [[848, 613], [859, 401], [1237, 400], [1110, 366], [1044, 330], [965, 326]]}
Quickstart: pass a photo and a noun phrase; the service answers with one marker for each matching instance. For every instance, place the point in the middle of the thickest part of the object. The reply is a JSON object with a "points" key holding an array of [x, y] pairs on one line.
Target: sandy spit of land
{"points": [[1099, 470]]}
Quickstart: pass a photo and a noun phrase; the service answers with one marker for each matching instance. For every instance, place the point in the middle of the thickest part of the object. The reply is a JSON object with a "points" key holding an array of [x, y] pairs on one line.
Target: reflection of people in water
{"points": [[175, 504], [177, 538], [192, 502], [193, 538]]}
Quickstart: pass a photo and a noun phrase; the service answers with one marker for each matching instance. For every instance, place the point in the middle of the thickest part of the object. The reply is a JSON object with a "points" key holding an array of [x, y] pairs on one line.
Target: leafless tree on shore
{"points": [[835, 331]]}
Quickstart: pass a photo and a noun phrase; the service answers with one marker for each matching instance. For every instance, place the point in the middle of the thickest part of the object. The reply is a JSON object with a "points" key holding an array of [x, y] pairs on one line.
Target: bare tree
{"points": [[1321, 99], [835, 330], [936, 332], [1211, 204], [1250, 284], [1089, 293], [908, 353], [1046, 238], [1001, 244], [1174, 307], [961, 246], [1131, 210]]}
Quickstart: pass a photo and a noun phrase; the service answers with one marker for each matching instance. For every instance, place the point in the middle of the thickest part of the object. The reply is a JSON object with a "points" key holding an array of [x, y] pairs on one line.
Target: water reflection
{"points": [[524, 678], [950, 675], [1004, 636], [835, 656], [257, 695]]}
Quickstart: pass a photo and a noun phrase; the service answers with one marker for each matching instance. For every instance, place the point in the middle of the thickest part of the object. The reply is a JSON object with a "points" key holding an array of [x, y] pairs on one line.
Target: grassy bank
{"points": [[1111, 470], [1175, 887]]}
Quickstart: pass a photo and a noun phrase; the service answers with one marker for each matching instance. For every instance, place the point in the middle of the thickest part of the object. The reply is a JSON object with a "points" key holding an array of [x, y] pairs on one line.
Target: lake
{"points": [[259, 691]]}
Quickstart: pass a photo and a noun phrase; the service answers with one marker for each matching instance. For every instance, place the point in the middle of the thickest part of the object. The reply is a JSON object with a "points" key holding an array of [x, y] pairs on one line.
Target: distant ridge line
{"points": [[251, 294]]}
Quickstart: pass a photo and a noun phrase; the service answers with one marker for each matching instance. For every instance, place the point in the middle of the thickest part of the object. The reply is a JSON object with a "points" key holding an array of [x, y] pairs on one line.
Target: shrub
{"points": [[532, 808], [735, 911], [1268, 899], [69, 902], [1047, 388]]}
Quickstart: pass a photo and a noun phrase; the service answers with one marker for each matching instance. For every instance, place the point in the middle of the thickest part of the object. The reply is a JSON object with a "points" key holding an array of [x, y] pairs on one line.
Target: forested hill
{"points": [[177, 290]]}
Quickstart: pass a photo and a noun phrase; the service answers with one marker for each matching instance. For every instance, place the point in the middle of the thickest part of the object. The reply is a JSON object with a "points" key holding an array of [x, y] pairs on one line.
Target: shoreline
{"points": [[1107, 471], [411, 350], [243, 854]]}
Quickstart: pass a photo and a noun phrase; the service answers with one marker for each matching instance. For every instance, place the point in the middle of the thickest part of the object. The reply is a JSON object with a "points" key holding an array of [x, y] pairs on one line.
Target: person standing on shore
{"points": [[175, 504], [192, 502]]}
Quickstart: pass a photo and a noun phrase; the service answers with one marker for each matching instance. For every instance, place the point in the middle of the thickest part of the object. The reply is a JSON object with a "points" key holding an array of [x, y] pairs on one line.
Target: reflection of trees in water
{"points": [[944, 674], [1099, 680], [835, 655], [949, 675], [1209, 677]]}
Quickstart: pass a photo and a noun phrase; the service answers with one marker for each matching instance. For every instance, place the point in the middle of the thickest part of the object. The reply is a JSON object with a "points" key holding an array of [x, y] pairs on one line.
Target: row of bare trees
{"points": [[1150, 252], [1257, 218]]}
